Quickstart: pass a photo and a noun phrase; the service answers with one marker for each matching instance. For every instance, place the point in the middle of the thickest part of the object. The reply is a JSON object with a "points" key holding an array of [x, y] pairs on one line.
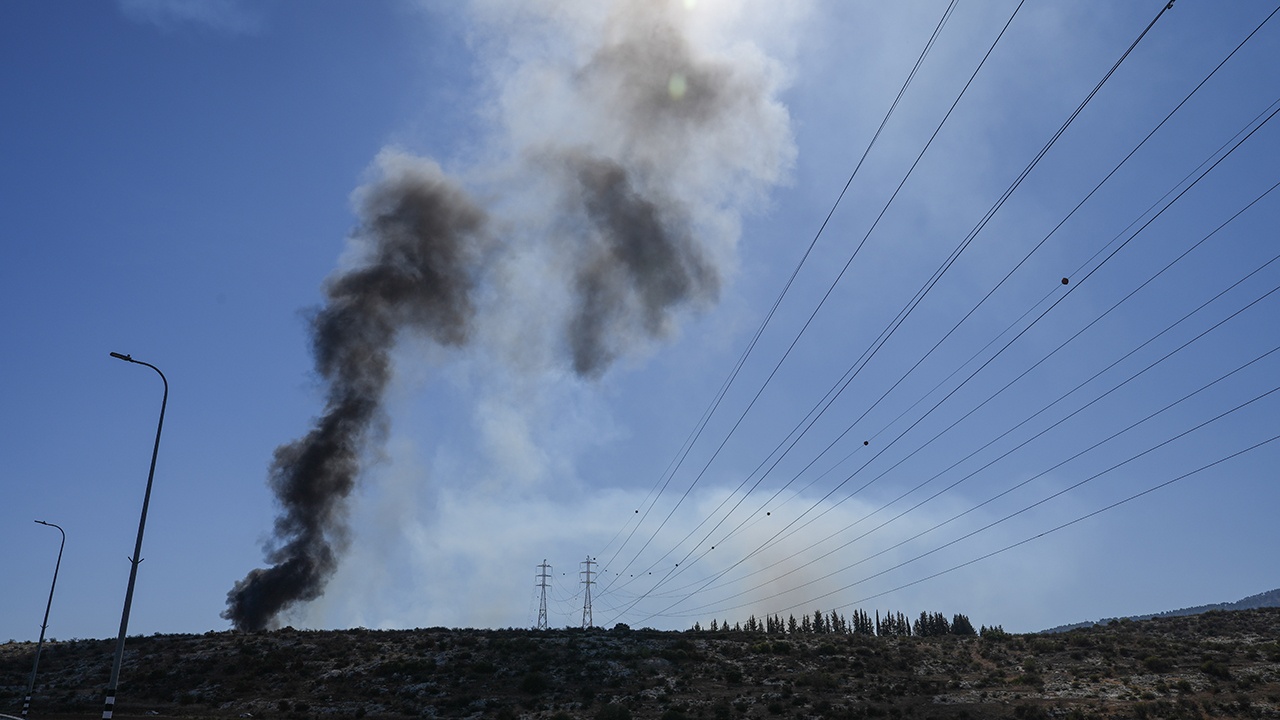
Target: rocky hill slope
{"points": [[1220, 664], [1268, 599]]}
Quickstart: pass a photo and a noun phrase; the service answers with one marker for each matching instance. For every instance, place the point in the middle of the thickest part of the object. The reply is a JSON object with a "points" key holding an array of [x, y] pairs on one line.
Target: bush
{"points": [[1027, 711], [613, 711], [535, 683], [1216, 669], [816, 679]]}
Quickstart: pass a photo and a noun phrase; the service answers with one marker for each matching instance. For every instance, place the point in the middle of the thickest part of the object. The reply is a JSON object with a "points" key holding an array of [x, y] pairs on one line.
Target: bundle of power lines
{"points": [[969, 417]]}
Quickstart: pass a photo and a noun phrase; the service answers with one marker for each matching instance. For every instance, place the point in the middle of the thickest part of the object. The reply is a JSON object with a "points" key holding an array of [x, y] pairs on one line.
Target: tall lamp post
{"points": [[31, 686], [110, 704]]}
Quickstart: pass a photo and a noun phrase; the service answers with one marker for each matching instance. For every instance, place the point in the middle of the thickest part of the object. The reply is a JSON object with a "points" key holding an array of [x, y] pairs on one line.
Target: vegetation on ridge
{"points": [[1213, 665]]}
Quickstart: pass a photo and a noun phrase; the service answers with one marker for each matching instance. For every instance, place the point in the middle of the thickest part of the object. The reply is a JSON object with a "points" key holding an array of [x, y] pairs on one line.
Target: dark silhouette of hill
{"points": [[1215, 664], [1268, 599]]}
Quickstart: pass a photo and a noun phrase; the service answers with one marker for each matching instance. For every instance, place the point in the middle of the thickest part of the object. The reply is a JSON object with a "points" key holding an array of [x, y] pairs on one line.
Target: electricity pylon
{"points": [[586, 601], [544, 574]]}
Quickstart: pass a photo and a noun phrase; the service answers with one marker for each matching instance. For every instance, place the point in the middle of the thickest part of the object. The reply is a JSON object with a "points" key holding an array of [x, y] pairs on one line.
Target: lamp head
{"points": [[122, 357]]}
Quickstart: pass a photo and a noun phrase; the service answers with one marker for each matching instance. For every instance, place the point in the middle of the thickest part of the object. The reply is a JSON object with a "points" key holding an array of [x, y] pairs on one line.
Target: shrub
{"points": [[534, 683], [613, 711], [816, 679], [1216, 669], [1157, 664], [1028, 711]]}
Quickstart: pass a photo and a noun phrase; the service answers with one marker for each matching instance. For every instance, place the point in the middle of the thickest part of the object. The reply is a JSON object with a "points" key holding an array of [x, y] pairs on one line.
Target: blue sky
{"points": [[179, 179]]}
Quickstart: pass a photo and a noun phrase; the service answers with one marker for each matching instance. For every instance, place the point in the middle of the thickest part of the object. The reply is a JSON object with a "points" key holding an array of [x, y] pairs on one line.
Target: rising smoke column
{"points": [[624, 152], [421, 235], [670, 133]]}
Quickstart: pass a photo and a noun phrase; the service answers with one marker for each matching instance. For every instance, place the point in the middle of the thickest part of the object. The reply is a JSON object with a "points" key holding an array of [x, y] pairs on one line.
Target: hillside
{"points": [[1269, 599], [1220, 664]]}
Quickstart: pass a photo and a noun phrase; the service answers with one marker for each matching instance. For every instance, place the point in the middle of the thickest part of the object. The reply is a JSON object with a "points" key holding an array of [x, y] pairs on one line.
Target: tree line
{"points": [[891, 624]]}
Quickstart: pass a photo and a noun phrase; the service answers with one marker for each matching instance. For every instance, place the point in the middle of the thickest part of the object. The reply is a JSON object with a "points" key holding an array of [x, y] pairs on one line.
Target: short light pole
{"points": [[110, 705], [31, 686]]}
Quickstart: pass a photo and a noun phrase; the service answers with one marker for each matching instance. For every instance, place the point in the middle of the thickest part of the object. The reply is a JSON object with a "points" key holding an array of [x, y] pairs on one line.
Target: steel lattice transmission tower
{"points": [[586, 601], [544, 574]]}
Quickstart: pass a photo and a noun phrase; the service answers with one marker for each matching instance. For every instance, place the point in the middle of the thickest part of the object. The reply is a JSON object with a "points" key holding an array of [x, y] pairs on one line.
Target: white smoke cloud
{"points": [[626, 140], [584, 91]]}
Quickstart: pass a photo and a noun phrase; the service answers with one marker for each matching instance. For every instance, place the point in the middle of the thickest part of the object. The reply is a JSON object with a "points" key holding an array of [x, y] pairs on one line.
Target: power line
{"points": [[1146, 224], [986, 363], [1028, 480], [830, 289], [677, 462], [1113, 307], [1022, 510], [879, 343], [1055, 529], [788, 560]]}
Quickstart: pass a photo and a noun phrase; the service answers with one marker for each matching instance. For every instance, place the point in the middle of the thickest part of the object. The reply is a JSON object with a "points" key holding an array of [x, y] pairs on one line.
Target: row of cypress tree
{"points": [[857, 623]]}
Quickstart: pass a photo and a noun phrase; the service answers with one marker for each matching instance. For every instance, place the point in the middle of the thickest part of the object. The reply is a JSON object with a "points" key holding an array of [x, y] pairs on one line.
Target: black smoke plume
{"points": [[422, 238], [644, 261], [628, 158]]}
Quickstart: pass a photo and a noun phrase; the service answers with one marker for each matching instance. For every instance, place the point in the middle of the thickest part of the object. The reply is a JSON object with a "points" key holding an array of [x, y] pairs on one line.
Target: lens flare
{"points": [[677, 86]]}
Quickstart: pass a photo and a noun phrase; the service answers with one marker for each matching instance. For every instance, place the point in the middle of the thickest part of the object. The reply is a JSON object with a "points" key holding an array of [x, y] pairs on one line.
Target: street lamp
{"points": [[31, 686], [110, 704]]}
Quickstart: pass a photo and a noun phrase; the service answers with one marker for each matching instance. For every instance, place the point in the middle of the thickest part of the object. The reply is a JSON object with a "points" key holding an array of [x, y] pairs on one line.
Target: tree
{"points": [[893, 624], [791, 624], [960, 625], [932, 625], [862, 624]]}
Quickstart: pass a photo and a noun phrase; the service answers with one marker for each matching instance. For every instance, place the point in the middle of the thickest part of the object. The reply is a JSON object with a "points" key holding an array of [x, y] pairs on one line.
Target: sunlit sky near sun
{"points": [[180, 178]]}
